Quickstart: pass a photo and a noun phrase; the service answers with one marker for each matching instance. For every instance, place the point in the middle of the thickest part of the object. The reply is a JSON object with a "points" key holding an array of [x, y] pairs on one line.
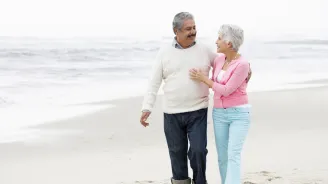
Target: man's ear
{"points": [[175, 31]]}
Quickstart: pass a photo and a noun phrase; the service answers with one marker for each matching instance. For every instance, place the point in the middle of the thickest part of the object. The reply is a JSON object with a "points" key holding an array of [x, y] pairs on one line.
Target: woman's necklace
{"points": [[228, 62]]}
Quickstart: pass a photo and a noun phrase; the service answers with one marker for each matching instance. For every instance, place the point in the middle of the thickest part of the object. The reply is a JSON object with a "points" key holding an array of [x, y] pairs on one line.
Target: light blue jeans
{"points": [[230, 127]]}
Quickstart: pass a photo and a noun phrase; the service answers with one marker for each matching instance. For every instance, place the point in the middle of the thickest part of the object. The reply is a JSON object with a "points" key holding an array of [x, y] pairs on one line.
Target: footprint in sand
{"points": [[263, 177]]}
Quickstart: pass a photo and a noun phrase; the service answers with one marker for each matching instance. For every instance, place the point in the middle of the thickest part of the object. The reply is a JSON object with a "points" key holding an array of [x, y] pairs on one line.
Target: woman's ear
{"points": [[230, 45]]}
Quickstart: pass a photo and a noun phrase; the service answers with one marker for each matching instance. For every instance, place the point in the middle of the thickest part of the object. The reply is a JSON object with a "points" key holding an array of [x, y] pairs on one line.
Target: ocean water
{"points": [[42, 80]]}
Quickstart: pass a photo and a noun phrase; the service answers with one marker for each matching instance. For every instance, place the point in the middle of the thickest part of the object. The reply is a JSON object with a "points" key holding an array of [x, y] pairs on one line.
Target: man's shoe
{"points": [[186, 181]]}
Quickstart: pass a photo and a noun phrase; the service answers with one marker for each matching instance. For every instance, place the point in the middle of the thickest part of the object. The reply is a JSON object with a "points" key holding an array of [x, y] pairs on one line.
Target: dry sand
{"points": [[287, 143]]}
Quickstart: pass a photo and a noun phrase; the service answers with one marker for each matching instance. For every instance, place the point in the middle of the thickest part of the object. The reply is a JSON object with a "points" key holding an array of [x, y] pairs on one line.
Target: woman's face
{"points": [[222, 46]]}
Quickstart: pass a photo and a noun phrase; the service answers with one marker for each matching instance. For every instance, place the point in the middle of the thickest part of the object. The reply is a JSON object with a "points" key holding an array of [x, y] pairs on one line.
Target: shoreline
{"points": [[107, 105], [85, 109]]}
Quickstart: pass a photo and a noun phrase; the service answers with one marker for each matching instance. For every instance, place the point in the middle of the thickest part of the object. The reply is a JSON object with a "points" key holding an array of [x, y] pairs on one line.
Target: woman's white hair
{"points": [[233, 34]]}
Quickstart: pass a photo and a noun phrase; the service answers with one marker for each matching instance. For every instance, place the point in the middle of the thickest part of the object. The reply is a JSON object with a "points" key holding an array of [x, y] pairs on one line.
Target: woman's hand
{"points": [[197, 75]]}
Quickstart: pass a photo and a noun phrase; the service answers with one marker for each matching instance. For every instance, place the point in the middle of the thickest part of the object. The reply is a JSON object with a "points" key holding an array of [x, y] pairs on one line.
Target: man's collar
{"points": [[178, 46]]}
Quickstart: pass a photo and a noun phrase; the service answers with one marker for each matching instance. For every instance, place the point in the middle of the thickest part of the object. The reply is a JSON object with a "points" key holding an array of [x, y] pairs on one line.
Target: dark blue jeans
{"points": [[178, 129]]}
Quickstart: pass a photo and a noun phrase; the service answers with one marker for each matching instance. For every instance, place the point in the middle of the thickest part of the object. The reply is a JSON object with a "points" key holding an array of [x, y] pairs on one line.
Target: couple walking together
{"points": [[184, 68]]}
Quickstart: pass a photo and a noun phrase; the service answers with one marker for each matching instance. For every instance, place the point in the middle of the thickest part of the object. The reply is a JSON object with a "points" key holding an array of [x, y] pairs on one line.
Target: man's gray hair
{"points": [[180, 18], [232, 33]]}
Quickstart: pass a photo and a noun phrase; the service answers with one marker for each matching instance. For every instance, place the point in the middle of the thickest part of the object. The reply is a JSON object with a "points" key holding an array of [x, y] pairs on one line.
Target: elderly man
{"points": [[185, 102]]}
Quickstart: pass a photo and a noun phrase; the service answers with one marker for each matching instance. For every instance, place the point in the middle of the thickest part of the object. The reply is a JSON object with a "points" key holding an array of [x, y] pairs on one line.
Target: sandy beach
{"points": [[287, 144]]}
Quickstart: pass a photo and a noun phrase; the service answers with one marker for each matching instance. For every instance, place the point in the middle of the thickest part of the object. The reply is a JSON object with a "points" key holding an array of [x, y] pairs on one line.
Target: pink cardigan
{"points": [[231, 90]]}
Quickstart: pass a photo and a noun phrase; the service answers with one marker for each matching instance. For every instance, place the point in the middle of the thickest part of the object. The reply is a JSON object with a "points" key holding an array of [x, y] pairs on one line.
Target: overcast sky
{"points": [[153, 18]]}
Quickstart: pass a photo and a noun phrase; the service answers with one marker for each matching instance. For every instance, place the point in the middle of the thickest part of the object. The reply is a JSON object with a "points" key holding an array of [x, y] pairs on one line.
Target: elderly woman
{"points": [[231, 117]]}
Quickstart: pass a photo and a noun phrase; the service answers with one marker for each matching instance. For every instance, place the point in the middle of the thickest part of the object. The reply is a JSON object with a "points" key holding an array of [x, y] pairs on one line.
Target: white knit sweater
{"points": [[181, 94]]}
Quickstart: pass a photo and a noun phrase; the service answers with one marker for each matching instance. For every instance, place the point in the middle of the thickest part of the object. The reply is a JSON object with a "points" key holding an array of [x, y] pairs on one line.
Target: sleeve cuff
{"points": [[214, 86], [146, 108]]}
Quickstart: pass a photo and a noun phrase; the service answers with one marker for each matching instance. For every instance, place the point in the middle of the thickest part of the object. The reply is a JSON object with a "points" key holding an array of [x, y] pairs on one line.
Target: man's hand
{"points": [[249, 74], [144, 117]]}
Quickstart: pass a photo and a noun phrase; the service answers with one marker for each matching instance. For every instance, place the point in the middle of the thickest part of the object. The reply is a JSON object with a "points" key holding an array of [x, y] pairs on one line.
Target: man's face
{"points": [[187, 34]]}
